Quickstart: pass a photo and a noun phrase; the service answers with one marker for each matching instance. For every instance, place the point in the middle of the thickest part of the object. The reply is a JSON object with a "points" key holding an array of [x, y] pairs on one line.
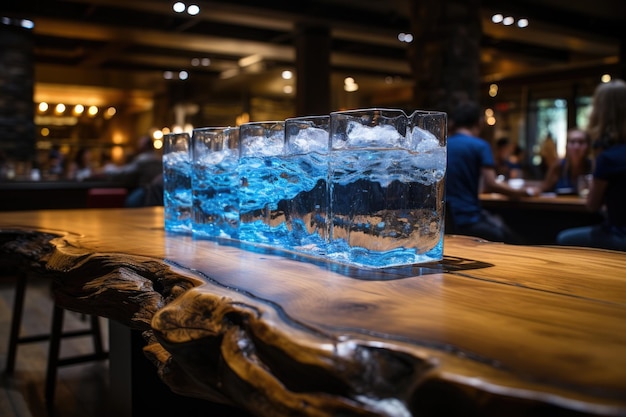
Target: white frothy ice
{"points": [[312, 139]]}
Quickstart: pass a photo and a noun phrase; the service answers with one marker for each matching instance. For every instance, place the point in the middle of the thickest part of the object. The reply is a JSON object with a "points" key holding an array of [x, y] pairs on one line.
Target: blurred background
{"points": [[102, 73]]}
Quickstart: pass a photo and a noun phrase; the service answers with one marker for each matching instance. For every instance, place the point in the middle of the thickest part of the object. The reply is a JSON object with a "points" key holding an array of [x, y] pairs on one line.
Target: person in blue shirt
{"points": [[607, 193], [470, 167]]}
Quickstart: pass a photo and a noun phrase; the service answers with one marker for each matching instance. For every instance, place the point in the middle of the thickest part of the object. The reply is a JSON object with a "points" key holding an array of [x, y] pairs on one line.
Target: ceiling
{"points": [[110, 50]]}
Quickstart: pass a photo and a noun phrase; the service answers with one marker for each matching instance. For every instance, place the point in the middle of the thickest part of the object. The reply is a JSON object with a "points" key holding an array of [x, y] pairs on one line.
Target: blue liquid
{"points": [[307, 202], [386, 207], [261, 200], [177, 192], [215, 198]]}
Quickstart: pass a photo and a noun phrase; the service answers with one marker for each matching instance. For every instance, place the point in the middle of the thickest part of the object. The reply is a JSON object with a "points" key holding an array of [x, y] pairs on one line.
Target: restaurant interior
{"points": [[105, 72]]}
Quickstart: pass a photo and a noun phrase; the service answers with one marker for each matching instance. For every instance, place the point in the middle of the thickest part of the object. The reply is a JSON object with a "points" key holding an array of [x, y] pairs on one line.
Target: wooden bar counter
{"points": [[492, 330]]}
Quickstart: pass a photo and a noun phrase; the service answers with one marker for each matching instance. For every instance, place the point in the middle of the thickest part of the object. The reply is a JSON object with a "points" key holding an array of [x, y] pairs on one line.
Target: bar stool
{"points": [[55, 336]]}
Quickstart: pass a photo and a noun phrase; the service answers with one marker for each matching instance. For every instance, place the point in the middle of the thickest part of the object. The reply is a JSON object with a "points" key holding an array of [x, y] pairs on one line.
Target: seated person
{"points": [[608, 188], [505, 163], [562, 176], [470, 160]]}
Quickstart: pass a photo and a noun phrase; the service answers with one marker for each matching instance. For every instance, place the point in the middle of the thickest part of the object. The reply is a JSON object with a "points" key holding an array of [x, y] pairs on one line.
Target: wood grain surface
{"points": [[492, 330]]}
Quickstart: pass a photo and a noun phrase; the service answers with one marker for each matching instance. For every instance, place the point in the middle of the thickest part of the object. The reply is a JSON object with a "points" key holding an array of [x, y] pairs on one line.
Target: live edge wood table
{"points": [[492, 330]]}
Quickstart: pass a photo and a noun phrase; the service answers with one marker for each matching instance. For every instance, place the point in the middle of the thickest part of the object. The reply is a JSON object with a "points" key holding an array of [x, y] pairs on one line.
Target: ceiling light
{"points": [[350, 85], [27, 24], [405, 37], [497, 18], [79, 109], [168, 75], [110, 112], [183, 75], [287, 75], [205, 62], [508, 21], [193, 9], [522, 23], [287, 89], [179, 7], [350, 88], [93, 110], [60, 108]]}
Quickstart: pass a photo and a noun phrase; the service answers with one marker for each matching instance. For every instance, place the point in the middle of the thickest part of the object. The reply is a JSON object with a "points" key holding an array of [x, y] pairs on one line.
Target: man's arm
{"points": [[493, 186]]}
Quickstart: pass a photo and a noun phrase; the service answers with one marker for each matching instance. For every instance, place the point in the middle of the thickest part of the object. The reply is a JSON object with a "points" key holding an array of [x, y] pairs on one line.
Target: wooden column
{"points": [[312, 70], [16, 89]]}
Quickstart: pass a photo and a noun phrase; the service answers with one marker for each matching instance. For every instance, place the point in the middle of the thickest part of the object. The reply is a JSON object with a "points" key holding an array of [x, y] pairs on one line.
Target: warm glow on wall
{"points": [[118, 138], [117, 154], [242, 118]]}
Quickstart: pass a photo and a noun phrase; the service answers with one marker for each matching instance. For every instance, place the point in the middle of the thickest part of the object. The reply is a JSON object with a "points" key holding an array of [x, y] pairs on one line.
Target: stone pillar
{"points": [[445, 53], [17, 141], [312, 70]]}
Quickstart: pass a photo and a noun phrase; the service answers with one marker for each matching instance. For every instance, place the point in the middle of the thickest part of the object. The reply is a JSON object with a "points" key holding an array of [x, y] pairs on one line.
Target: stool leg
{"points": [[16, 322], [97, 335], [53, 354]]}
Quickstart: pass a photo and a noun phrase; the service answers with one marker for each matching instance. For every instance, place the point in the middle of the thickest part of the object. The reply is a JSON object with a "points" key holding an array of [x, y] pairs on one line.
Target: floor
{"points": [[82, 389]]}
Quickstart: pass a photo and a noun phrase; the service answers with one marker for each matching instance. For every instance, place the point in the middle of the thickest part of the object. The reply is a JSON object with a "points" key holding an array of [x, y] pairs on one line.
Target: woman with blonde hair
{"points": [[607, 129]]}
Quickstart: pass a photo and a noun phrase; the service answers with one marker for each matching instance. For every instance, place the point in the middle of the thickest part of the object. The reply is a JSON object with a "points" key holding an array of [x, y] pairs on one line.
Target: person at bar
{"points": [[470, 161], [81, 165], [548, 153], [562, 176], [607, 129], [506, 166]]}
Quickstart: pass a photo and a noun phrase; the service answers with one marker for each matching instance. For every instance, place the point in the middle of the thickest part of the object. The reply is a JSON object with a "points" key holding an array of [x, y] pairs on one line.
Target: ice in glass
{"points": [[306, 166], [386, 173], [262, 183], [177, 182], [215, 156]]}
